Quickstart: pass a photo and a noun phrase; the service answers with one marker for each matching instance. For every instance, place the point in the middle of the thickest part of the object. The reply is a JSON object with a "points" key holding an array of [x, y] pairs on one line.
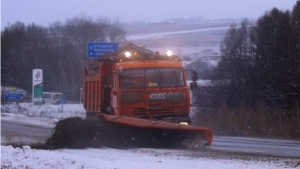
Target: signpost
{"points": [[62, 102], [96, 49], [37, 86]]}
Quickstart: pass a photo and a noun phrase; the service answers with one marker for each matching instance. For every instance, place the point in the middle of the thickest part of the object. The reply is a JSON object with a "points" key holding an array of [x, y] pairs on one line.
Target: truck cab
{"points": [[151, 89]]}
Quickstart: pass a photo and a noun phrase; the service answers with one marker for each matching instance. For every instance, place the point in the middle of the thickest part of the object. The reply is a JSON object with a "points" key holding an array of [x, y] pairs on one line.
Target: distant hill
{"points": [[192, 39]]}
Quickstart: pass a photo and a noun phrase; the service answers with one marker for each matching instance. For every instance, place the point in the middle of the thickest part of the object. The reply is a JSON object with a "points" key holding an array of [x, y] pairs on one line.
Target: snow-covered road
{"points": [[46, 116]]}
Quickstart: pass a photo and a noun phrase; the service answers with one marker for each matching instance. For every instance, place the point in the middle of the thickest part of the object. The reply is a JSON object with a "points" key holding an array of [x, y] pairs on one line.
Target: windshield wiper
{"points": [[175, 78], [160, 82], [144, 79]]}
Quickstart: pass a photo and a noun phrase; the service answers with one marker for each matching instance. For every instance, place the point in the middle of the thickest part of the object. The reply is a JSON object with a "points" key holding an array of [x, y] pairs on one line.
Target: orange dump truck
{"points": [[137, 88]]}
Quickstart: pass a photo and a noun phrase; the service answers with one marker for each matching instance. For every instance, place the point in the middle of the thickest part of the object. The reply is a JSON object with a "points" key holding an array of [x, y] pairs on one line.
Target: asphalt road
{"points": [[259, 146], [11, 130], [253, 146]]}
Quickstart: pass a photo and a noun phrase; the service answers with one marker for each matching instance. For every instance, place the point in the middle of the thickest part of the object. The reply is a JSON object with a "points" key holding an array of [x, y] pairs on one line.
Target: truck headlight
{"points": [[127, 54], [184, 123], [169, 53]]}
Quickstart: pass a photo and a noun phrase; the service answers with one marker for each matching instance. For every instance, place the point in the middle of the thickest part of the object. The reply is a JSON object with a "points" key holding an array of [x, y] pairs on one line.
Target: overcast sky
{"points": [[44, 12]]}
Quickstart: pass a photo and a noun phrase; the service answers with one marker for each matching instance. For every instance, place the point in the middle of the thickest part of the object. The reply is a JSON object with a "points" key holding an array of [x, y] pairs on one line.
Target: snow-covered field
{"points": [[196, 41], [102, 158]]}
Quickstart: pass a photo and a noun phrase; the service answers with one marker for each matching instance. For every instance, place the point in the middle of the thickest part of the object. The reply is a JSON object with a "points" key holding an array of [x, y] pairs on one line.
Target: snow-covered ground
{"points": [[124, 159], [47, 115]]}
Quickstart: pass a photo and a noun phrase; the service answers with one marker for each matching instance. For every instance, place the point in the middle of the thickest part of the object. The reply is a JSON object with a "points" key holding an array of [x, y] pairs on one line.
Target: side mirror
{"points": [[194, 76], [108, 86], [193, 85]]}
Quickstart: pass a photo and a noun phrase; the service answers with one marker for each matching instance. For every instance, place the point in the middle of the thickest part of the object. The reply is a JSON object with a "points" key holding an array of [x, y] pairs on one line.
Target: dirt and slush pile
{"points": [[75, 132]]}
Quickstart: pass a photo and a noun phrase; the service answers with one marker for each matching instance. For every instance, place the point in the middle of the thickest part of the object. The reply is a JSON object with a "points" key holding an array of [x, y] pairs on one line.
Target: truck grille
{"points": [[154, 109]]}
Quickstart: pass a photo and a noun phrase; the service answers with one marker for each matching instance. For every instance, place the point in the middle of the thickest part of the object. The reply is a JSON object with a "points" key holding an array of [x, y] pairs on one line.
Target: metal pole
{"points": [[62, 110], [80, 95]]}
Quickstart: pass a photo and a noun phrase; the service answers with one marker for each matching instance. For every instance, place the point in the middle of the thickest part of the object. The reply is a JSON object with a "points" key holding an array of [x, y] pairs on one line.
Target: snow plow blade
{"points": [[126, 132], [148, 133]]}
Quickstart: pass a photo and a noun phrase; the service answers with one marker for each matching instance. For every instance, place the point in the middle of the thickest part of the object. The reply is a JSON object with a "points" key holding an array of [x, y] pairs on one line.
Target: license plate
{"points": [[163, 96]]}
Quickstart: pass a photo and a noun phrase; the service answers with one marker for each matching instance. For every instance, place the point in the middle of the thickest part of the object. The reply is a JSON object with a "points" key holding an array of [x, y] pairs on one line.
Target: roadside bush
{"points": [[259, 121]]}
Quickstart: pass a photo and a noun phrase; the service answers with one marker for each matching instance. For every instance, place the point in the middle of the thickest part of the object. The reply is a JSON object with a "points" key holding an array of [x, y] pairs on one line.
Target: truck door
{"points": [[107, 87], [113, 95]]}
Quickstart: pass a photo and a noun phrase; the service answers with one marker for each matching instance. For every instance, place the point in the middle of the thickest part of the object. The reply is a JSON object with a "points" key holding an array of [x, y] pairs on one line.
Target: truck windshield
{"points": [[151, 78]]}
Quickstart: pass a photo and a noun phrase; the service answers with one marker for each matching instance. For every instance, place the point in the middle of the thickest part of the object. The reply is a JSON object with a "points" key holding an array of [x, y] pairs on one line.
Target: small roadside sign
{"points": [[37, 86], [96, 49], [14, 96], [12, 89]]}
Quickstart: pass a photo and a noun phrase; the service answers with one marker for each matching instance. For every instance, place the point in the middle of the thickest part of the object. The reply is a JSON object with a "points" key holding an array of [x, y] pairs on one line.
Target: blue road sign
{"points": [[13, 95], [96, 49]]}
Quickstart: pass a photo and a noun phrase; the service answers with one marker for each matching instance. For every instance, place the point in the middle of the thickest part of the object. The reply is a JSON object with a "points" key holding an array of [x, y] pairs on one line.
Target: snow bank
{"points": [[47, 110]]}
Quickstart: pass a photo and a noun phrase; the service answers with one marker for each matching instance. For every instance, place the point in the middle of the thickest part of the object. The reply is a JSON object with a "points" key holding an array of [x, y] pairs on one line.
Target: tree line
{"points": [[260, 62], [256, 85], [60, 50]]}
